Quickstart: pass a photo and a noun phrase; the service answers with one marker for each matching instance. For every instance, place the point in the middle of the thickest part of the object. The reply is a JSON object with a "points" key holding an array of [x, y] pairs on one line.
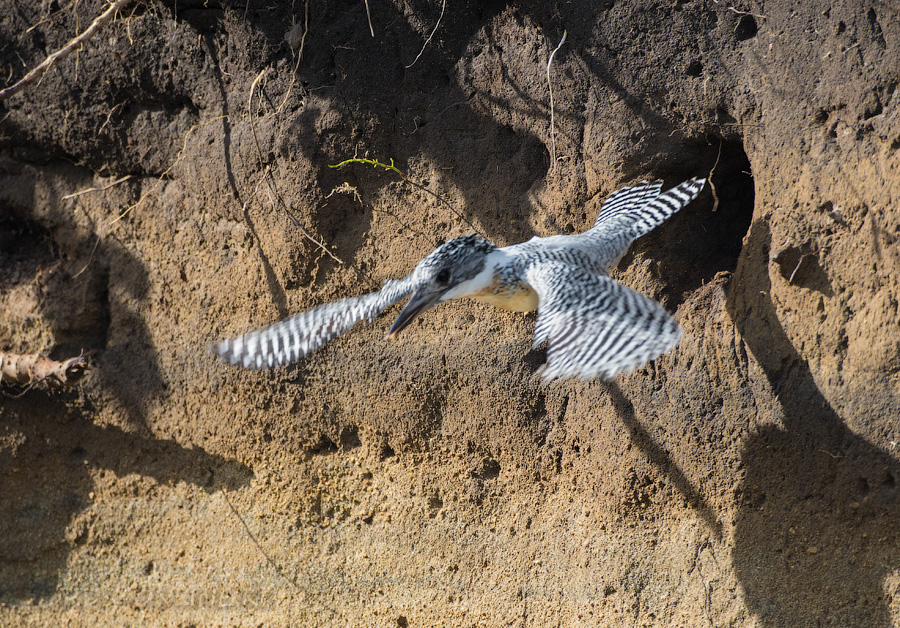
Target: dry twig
{"points": [[712, 186], [737, 12], [369, 17], [73, 45], [427, 41], [97, 189], [550, 86], [296, 65]]}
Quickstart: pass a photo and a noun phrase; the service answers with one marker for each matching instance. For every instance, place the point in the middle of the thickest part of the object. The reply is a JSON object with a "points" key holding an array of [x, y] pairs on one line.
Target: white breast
{"points": [[521, 298], [518, 297]]}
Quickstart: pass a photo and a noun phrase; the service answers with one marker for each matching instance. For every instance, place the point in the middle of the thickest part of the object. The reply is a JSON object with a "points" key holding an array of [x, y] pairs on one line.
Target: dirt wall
{"points": [[170, 184]]}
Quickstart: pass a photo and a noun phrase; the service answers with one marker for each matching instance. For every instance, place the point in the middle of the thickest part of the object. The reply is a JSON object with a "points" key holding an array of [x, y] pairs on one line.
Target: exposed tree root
{"points": [[30, 369], [65, 51]]}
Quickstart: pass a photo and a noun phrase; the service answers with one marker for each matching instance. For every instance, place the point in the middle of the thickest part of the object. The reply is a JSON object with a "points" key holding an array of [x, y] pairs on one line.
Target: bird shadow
{"points": [[51, 456], [662, 459], [86, 308], [51, 453], [815, 534]]}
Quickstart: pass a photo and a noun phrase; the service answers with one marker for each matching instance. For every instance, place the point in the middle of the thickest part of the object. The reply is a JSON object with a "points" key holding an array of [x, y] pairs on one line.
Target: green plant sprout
{"points": [[370, 162]]}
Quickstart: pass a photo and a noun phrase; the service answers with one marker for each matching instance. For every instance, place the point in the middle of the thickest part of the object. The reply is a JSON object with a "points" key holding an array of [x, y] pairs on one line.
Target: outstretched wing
{"points": [[299, 335], [642, 208], [596, 327], [626, 200], [630, 213]]}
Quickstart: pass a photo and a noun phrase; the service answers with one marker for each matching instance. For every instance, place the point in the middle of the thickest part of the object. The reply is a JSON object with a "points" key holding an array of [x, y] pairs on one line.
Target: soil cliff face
{"points": [[170, 185]]}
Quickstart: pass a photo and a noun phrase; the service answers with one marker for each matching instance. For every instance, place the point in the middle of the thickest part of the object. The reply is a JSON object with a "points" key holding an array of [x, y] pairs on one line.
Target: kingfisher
{"points": [[593, 325]]}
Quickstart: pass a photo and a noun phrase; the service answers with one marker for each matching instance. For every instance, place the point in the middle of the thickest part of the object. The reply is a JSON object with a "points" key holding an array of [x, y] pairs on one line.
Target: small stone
{"points": [[294, 36]]}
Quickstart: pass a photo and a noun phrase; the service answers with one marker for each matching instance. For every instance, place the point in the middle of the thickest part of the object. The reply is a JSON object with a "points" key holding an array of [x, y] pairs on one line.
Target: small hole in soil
{"points": [[324, 447], [488, 469], [746, 28], [697, 243], [350, 437], [25, 249]]}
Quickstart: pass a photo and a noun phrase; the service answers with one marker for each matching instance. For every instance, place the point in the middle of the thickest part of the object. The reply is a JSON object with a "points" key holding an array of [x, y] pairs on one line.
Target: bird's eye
{"points": [[443, 276]]}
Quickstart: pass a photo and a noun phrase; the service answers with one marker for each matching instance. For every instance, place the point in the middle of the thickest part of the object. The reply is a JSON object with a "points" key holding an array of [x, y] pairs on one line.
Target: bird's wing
{"points": [[625, 201], [595, 326], [299, 335], [630, 213], [642, 208]]}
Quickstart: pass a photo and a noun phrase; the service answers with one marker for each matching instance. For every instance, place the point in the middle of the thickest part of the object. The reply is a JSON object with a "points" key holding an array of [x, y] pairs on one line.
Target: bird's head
{"points": [[442, 276]]}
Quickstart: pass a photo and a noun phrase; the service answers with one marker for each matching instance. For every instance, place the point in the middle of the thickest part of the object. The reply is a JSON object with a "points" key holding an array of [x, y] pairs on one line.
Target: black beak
{"points": [[423, 299]]}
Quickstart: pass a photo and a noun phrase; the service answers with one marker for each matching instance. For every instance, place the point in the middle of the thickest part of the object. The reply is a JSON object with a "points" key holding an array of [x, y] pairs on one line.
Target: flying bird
{"points": [[594, 326]]}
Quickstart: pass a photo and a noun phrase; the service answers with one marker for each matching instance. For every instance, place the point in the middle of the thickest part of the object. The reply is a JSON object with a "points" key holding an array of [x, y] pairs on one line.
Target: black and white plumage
{"points": [[594, 326]]}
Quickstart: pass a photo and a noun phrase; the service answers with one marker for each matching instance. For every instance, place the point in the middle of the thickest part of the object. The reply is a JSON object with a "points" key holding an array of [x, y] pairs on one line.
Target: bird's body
{"points": [[500, 283], [594, 325]]}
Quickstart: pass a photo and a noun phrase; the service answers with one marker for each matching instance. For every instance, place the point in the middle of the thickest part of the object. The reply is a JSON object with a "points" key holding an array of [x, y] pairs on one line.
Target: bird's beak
{"points": [[424, 298]]}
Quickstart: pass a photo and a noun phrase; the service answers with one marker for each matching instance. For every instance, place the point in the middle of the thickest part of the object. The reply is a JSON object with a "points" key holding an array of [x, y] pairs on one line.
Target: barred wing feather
{"points": [[299, 335], [626, 200], [642, 208], [595, 326]]}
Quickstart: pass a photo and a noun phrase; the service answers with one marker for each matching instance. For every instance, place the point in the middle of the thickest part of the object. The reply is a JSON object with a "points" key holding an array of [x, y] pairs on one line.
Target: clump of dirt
{"points": [[170, 184]]}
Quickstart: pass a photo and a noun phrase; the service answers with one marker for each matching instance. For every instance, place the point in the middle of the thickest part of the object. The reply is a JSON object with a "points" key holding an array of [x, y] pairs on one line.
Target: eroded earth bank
{"points": [[169, 185]]}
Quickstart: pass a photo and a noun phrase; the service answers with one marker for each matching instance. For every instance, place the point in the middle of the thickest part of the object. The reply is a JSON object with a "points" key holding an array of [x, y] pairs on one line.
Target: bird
{"points": [[594, 326]]}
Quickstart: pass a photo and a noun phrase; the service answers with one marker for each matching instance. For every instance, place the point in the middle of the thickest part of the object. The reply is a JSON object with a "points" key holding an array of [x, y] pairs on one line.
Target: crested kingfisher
{"points": [[594, 326]]}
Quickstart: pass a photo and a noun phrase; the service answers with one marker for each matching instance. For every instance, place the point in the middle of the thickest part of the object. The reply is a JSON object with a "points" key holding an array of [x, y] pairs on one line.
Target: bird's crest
{"points": [[461, 258]]}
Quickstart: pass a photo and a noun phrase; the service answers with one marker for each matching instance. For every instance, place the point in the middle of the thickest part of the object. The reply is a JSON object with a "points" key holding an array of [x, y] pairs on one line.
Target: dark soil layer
{"points": [[169, 185]]}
